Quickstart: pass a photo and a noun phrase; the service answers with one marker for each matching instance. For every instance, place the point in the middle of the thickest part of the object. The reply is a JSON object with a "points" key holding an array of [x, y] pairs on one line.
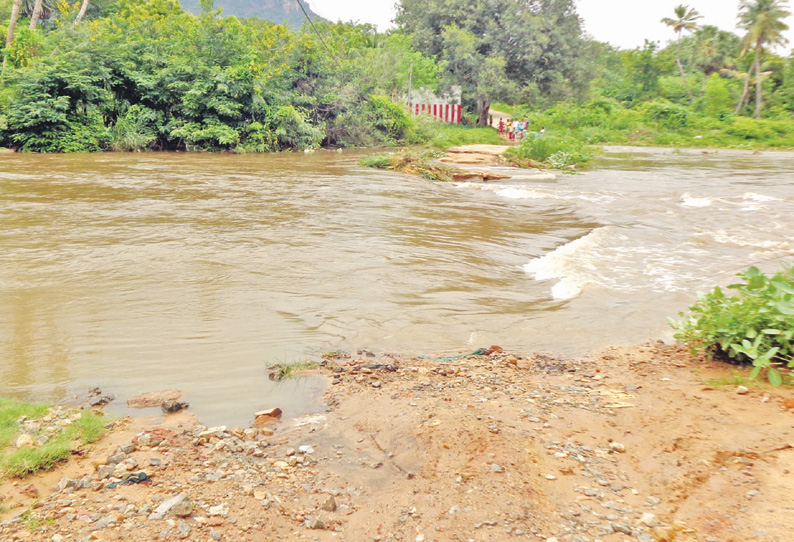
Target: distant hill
{"points": [[279, 11]]}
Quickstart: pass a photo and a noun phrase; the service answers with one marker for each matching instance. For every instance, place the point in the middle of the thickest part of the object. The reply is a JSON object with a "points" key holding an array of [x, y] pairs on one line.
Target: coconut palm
{"points": [[763, 21], [37, 9], [686, 18]]}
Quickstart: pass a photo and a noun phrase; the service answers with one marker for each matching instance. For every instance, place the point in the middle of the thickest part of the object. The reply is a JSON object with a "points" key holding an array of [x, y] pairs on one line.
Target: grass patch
{"points": [[555, 151], [34, 523], [735, 379], [10, 411], [88, 428], [412, 162], [282, 371], [453, 135]]}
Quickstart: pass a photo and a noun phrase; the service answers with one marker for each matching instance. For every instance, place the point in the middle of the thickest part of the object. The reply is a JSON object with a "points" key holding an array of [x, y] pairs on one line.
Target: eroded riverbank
{"points": [[631, 445]]}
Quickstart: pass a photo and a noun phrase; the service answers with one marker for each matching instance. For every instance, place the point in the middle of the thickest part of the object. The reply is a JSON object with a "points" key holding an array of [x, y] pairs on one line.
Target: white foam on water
{"points": [[562, 263], [688, 200], [519, 193], [523, 191], [759, 197], [608, 258]]}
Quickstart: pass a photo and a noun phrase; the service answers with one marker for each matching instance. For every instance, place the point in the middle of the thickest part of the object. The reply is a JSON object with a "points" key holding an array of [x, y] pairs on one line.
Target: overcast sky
{"points": [[624, 23]]}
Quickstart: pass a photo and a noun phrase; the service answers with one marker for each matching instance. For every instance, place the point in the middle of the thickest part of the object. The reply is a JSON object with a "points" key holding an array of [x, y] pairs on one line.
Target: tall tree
{"points": [[763, 22], [536, 46], [34, 17], [12, 25], [686, 18], [81, 13]]}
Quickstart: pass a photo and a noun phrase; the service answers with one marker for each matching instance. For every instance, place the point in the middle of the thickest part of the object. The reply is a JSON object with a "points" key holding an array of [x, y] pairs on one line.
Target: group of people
{"points": [[516, 130]]}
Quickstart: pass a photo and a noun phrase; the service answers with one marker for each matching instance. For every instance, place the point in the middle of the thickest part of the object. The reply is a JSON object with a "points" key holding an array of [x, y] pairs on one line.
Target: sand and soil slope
{"points": [[632, 445]]}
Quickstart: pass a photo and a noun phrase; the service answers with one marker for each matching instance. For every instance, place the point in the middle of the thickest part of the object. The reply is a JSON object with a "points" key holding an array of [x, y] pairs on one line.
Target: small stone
{"points": [[183, 508], [155, 461], [116, 458], [215, 534], [145, 440], [184, 529], [617, 447], [493, 467], [105, 471], [166, 505], [330, 504], [24, 440], [67, 483], [742, 390], [127, 448], [315, 523], [57, 538], [153, 399], [219, 510], [306, 449], [622, 528], [376, 384], [752, 493], [649, 520], [550, 477]]}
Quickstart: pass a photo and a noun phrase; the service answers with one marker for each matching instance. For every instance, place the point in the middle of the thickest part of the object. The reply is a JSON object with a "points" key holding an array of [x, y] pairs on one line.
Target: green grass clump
{"points": [[412, 162], [26, 460], [556, 151], [453, 135], [11, 411], [282, 371], [755, 326]]}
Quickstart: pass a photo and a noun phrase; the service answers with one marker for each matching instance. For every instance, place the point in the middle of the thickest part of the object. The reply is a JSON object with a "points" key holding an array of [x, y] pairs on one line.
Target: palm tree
{"points": [[12, 25], [685, 20], [81, 13], [763, 21], [37, 9]]}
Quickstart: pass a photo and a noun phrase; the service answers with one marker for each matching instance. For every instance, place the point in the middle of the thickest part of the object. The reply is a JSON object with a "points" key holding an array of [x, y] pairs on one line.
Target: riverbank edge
{"points": [[400, 427]]}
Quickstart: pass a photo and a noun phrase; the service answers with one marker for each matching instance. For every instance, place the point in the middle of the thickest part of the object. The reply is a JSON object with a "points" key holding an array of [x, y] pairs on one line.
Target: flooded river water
{"points": [[142, 272]]}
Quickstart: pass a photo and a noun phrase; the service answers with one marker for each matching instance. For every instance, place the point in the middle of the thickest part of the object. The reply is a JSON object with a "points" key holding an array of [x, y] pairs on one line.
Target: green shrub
{"points": [[751, 129], [665, 114], [755, 326], [452, 135], [136, 130], [412, 162], [555, 151]]}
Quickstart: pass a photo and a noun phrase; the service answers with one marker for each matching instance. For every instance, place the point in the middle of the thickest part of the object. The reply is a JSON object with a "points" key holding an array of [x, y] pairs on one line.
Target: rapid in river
{"points": [[138, 272]]}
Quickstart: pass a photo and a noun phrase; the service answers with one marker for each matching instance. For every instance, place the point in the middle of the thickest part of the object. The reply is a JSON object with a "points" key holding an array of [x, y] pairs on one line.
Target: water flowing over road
{"points": [[141, 272]]}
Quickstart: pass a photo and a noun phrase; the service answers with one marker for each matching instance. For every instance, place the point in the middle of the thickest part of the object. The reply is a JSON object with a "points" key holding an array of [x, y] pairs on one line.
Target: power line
{"points": [[305, 14]]}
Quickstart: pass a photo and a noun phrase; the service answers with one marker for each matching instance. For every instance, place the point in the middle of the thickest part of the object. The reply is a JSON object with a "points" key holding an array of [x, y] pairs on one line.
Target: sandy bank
{"points": [[629, 445]]}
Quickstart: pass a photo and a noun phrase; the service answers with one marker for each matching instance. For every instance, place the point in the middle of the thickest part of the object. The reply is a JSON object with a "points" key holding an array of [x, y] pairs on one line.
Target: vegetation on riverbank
{"points": [[132, 75], [753, 326], [414, 162], [36, 437], [659, 123]]}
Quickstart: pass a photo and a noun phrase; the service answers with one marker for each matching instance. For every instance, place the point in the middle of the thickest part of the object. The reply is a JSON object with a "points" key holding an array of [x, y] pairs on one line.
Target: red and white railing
{"points": [[442, 112]]}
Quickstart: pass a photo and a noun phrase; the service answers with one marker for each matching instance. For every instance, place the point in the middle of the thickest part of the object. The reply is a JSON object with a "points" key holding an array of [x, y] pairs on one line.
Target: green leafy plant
{"points": [[552, 150], [754, 326]]}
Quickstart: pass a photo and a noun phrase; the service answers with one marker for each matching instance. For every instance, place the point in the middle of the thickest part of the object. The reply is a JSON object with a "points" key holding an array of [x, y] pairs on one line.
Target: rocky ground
{"points": [[633, 445]]}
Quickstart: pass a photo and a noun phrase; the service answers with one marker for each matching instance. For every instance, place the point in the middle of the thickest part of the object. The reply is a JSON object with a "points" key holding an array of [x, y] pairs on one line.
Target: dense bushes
{"points": [[755, 326], [558, 152], [151, 76], [660, 122]]}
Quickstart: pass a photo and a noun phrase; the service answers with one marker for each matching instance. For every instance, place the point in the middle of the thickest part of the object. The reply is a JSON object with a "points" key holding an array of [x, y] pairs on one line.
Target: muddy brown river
{"points": [[139, 272]]}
